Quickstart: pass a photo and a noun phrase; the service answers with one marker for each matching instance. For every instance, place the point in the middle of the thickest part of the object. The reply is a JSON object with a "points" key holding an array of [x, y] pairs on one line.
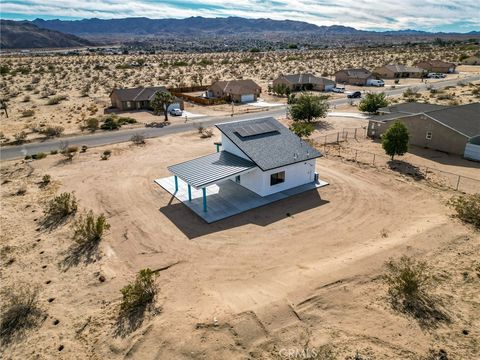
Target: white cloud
{"points": [[361, 14]]}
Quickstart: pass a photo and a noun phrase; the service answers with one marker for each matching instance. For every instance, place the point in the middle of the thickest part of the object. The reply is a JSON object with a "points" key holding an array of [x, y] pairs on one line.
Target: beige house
{"points": [[353, 76], [436, 66], [446, 129], [397, 71], [138, 98], [240, 91], [299, 82]]}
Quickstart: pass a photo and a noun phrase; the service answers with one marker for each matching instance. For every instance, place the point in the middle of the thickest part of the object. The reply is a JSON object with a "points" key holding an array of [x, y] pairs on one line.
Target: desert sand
{"points": [[302, 273]]}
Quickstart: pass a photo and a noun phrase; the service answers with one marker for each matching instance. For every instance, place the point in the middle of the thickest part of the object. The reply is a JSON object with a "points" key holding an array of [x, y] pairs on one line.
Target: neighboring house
{"points": [[397, 71], [240, 91], [299, 82], [472, 60], [138, 98], [353, 76], [259, 161], [436, 66], [447, 129]]}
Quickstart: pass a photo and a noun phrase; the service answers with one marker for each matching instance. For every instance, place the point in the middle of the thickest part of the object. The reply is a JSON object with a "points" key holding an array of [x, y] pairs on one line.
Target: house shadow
{"points": [[193, 226], [442, 157]]}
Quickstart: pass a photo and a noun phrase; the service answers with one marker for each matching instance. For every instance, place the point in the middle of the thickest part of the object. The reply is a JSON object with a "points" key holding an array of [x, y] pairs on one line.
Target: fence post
{"points": [[458, 182], [338, 134], [355, 134], [373, 163], [356, 155]]}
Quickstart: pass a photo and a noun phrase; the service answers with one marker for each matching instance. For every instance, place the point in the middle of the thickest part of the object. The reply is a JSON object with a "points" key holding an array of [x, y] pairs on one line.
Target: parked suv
{"points": [[354, 95], [338, 90], [176, 112], [376, 82]]}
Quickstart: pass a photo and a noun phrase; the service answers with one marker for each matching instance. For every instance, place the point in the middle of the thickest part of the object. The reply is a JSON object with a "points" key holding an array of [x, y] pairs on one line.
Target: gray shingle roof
{"points": [[302, 79], [211, 168], [463, 118], [270, 150], [138, 94], [411, 108]]}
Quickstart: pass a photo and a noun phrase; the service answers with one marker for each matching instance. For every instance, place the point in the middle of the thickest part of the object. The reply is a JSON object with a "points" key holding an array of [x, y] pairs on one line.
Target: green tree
{"points": [[372, 102], [302, 129], [161, 102], [395, 139], [308, 107]]}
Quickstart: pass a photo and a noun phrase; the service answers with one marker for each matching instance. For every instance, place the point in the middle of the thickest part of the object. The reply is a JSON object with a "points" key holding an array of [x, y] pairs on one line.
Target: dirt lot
{"points": [[252, 286]]}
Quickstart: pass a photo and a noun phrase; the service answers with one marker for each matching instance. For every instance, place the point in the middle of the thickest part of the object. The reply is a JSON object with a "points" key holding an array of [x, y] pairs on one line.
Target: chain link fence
{"points": [[439, 178]]}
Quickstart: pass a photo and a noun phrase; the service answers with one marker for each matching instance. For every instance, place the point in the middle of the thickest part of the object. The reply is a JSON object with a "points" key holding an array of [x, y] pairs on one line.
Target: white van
{"points": [[375, 82]]}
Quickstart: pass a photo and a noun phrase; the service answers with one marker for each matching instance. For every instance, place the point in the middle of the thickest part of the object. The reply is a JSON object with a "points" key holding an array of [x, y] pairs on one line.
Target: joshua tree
{"points": [[161, 102]]}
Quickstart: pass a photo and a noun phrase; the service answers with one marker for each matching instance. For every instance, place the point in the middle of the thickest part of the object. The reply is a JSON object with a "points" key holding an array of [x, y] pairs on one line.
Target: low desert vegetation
{"points": [[89, 228], [467, 208], [410, 290], [59, 209], [20, 311], [139, 293], [138, 139]]}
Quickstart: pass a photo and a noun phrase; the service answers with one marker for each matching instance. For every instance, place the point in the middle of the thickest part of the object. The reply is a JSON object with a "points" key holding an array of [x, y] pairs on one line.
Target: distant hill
{"points": [[25, 35], [195, 26]]}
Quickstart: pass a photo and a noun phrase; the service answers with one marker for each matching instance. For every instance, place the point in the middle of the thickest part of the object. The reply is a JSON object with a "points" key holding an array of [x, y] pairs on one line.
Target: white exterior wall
{"points": [[229, 146], [297, 174]]}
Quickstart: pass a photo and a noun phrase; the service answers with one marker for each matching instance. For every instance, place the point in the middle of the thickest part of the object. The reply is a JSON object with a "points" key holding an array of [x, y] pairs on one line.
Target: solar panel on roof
{"points": [[255, 129]]}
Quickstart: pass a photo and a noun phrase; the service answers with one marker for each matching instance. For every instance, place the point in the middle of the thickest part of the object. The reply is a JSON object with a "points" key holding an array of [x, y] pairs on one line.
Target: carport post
{"points": [[204, 191], [176, 183], [189, 193]]}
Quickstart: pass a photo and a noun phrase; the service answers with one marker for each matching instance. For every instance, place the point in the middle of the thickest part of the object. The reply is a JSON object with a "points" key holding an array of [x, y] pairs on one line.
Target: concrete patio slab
{"points": [[227, 198]]}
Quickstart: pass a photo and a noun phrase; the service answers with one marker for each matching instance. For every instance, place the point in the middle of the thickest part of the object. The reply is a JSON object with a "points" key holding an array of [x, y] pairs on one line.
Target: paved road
{"points": [[113, 137]]}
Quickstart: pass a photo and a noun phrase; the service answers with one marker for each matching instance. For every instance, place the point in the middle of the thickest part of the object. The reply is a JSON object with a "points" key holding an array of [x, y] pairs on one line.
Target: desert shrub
{"points": [[39, 156], [53, 152], [138, 139], [126, 120], [56, 99], [20, 137], [206, 133], [409, 285], [139, 293], [59, 208], [106, 155], [84, 148], [467, 208], [69, 151], [19, 312], [46, 179], [91, 124], [28, 113], [88, 228], [26, 98], [302, 129], [52, 131], [110, 124]]}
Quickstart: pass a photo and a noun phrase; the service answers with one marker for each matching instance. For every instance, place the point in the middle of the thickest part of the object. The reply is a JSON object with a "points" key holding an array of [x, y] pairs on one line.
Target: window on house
{"points": [[428, 136], [277, 178]]}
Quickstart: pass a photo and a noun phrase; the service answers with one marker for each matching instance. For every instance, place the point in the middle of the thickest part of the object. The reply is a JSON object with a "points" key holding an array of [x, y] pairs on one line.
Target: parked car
{"points": [[376, 82], [436, 76], [338, 90], [354, 95], [176, 112]]}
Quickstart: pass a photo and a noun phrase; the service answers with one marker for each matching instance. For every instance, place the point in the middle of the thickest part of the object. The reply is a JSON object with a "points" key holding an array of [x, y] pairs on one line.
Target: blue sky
{"points": [[430, 15]]}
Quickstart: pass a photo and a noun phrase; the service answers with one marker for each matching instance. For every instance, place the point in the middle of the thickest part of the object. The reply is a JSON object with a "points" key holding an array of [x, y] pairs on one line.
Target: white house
{"points": [[260, 155]]}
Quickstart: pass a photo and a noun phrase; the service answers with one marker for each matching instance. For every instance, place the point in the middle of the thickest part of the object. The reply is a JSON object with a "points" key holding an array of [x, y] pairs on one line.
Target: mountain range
{"points": [[67, 33]]}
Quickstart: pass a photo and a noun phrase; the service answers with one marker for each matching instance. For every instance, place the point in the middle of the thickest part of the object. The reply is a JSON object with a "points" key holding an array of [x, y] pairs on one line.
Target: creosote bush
{"points": [[467, 208], [59, 208], [90, 229], [138, 139], [139, 293], [19, 312]]}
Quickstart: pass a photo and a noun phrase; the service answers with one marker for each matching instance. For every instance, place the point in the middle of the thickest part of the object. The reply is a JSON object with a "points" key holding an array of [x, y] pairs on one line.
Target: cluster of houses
{"points": [[247, 90]]}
